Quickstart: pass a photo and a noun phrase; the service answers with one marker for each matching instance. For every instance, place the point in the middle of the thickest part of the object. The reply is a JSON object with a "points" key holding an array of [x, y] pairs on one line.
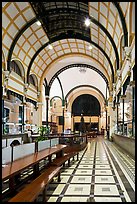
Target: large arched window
{"points": [[31, 80], [15, 68]]}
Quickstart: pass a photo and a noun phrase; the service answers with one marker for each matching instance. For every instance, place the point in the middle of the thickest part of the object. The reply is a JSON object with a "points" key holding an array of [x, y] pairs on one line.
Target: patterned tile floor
{"points": [[104, 173]]}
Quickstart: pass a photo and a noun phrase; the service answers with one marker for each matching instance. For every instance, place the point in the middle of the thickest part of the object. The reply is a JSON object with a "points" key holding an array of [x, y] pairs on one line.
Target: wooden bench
{"points": [[61, 160], [33, 189]]}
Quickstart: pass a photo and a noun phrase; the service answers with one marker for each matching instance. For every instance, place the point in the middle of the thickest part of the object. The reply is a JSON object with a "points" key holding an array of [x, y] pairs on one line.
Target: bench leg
{"points": [[73, 158], [59, 179], [49, 158], [44, 195], [64, 164], [77, 157], [11, 184], [69, 162], [36, 171]]}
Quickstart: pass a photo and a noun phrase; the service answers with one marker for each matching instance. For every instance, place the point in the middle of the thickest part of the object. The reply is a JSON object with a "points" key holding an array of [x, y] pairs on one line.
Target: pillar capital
{"points": [[39, 103], [127, 51], [110, 98], [119, 75], [38, 94], [114, 86], [6, 74], [26, 85], [46, 97]]}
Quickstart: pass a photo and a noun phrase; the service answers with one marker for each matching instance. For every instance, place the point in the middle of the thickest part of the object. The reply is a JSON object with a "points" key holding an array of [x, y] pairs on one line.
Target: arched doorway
{"points": [[88, 106]]}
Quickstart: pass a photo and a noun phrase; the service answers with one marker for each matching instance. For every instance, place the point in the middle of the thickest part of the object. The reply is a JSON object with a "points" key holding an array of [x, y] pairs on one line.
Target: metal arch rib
{"points": [[35, 19], [16, 39], [123, 22], [77, 65], [41, 48], [80, 86], [35, 55]]}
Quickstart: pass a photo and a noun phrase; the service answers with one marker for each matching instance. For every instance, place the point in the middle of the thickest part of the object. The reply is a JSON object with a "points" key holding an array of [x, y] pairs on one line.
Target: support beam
{"points": [[47, 108], [78, 65], [123, 22]]}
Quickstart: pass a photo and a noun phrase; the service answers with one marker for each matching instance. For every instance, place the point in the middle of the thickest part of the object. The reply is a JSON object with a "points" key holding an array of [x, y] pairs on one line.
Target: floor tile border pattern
{"points": [[69, 180], [121, 166], [115, 178], [124, 162], [122, 176], [91, 197]]}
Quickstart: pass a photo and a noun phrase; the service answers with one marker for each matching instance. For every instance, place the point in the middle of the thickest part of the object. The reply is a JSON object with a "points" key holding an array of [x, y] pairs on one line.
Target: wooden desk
{"points": [[18, 165]]}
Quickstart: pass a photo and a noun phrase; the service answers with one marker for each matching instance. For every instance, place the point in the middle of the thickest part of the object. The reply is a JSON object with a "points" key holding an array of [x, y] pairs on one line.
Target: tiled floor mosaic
{"points": [[98, 176]]}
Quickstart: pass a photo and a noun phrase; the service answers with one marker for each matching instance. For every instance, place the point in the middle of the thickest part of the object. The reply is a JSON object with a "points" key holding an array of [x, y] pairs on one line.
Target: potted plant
{"points": [[43, 131]]}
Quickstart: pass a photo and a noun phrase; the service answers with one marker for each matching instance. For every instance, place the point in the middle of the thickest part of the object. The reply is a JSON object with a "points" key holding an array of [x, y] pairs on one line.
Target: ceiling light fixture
{"points": [[82, 70], [87, 22], [38, 23], [90, 47], [50, 47]]}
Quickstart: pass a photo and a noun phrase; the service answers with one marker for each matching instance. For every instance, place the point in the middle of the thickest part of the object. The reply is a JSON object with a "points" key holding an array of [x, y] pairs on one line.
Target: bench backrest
{"points": [[43, 144], [3, 143], [23, 150], [6, 155], [54, 141]]}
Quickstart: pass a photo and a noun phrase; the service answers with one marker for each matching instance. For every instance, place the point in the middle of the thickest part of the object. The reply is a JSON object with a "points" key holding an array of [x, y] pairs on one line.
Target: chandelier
{"points": [[82, 70]]}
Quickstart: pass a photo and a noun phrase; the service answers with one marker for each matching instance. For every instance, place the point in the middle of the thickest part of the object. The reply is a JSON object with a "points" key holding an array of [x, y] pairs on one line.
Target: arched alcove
{"points": [[86, 104], [33, 80], [18, 68]]}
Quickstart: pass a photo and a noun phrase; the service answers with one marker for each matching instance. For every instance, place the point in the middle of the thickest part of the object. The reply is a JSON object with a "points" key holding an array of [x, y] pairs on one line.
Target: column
{"points": [[132, 84], [63, 119], [26, 85], [39, 108], [133, 111], [123, 111], [106, 123], [23, 122], [112, 119], [47, 108], [117, 104], [72, 123], [106, 115], [123, 115], [39, 114], [2, 116], [99, 123], [127, 54]]}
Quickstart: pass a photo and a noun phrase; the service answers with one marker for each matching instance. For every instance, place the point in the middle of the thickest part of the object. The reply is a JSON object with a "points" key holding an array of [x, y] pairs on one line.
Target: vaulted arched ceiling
{"points": [[23, 39]]}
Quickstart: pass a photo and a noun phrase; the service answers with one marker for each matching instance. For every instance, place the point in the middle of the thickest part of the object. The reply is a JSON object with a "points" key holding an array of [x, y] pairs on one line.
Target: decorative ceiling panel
{"points": [[46, 56], [61, 19], [124, 6], [109, 18]]}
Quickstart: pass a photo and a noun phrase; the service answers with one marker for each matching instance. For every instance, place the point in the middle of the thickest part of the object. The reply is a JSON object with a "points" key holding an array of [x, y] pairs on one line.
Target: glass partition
{"points": [[18, 117], [30, 117], [126, 127], [13, 115]]}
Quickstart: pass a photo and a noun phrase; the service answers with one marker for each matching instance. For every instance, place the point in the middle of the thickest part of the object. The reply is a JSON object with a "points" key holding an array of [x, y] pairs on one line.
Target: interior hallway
{"points": [[104, 173]]}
